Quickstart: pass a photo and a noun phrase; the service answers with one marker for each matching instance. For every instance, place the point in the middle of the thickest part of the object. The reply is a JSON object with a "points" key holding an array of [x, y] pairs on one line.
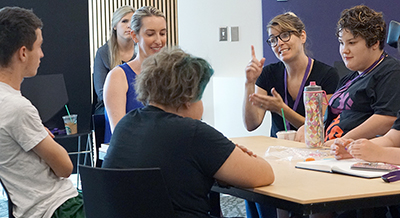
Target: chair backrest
{"points": [[47, 92], [125, 193], [341, 69], [99, 124], [10, 204]]}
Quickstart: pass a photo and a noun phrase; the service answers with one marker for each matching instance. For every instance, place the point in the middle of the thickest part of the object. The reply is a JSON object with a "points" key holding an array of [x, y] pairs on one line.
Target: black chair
{"points": [[341, 69], [48, 93], [125, 193], [215, 204], [98, 122], [10, 204]]}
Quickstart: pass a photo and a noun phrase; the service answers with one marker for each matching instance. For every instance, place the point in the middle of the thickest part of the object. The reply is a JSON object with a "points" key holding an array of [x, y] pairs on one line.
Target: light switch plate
{"points": [[223, 34], [234, 33]]}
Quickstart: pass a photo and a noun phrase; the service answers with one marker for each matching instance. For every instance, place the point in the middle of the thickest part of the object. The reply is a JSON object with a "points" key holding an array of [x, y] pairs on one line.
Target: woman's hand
{"points": [[339, 148], [365, 149], [245, 150], [300, 134], [254, 68], [272, 103], [329, 143]]}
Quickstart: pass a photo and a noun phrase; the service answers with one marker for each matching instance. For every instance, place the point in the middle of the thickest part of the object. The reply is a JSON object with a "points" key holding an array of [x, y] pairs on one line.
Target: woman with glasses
{"points": [[280, 85]]}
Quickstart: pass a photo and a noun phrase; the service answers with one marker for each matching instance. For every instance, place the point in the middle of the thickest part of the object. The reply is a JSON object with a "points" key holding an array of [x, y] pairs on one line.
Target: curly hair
{"points": [[363, 21], [172, 77], [17, 28]]}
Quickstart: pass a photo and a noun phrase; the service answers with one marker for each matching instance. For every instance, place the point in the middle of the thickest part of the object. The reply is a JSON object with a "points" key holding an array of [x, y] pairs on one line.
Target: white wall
{"points": [[198, 26]]}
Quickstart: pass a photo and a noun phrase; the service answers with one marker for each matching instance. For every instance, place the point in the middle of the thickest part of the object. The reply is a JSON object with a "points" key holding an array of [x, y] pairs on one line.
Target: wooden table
{"points": [[309, 192]]}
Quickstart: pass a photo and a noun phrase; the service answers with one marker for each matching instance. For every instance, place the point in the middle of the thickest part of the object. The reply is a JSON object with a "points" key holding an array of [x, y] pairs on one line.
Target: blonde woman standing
{"points": [[149, 32], [119, 49]]}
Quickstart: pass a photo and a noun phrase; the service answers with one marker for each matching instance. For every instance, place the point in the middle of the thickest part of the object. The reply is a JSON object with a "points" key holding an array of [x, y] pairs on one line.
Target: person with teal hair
{"points": [[168, 133]]}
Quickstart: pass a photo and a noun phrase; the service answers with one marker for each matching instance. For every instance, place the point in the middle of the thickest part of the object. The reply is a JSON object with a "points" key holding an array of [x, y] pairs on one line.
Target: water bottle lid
{"points": [[312, 87]]}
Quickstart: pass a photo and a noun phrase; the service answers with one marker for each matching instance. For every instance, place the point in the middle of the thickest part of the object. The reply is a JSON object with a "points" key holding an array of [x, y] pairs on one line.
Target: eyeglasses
{"points": [[283, 36]]}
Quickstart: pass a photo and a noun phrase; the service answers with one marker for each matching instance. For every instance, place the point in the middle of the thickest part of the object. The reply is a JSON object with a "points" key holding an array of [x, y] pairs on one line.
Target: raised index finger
{"points": [[253, 53]]}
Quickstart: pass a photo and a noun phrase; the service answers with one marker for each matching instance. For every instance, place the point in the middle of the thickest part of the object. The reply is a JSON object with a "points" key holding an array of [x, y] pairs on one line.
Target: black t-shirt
{"points": [[188, 151], [273, 76], [396, 124], [377, 92]]}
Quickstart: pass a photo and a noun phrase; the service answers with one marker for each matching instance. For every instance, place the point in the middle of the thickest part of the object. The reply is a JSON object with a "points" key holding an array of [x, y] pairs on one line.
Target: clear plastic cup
{"points": [[71, 124], [287, 135]]}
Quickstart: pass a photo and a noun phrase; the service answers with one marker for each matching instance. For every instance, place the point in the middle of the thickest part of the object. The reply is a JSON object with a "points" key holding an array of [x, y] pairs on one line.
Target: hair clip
{"points": [[392, 176]]}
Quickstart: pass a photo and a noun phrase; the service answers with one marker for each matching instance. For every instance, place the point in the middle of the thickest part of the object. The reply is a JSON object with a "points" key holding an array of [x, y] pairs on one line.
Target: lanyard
{"points": [[348, 83], [300, 93]]}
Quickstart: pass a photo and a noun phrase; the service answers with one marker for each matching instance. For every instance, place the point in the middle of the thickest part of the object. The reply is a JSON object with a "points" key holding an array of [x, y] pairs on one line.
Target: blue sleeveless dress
{"points": [[131, 102]]}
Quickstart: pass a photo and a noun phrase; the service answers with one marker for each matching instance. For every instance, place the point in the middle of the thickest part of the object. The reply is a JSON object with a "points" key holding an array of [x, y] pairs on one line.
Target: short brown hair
{"points": [[17, 28], [287, 22], [172, 77], [363, 21]]}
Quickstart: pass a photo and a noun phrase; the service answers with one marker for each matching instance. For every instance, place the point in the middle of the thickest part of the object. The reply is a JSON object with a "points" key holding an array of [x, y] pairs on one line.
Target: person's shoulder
{"points": [[325, 69], [390, 66], [274, 66], [271, 72], [206, 130], [392, 63], [116, 73], [103, 49], [15, 101], [103, 52], [321, 65], [16, 106]]}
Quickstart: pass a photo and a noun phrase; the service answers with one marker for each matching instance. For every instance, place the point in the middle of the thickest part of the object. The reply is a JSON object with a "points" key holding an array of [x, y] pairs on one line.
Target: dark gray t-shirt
{"points": [[189, 153]]}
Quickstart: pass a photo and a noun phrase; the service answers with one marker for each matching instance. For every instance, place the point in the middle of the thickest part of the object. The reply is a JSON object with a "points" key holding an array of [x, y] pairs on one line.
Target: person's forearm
{"points": [[293, 117], [372, 127], [250, 112], [55, 156], [390, 155]]}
